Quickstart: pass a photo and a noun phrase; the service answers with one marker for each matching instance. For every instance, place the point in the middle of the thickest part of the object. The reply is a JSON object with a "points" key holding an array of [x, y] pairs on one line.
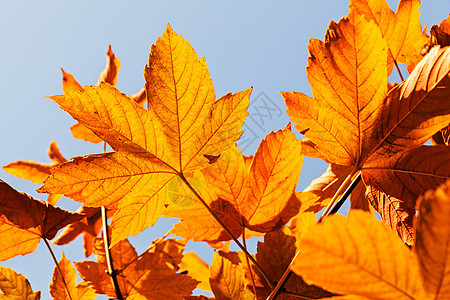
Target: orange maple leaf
{"points": [[401, 30], [152, 147], [37, 172], [108, 75], [25, 221], [355, 123], [364, 258], [66, 287], [151, 275], [251, 193]]}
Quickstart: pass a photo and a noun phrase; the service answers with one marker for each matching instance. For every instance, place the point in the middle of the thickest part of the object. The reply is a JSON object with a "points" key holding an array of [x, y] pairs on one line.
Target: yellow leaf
{"points": [[15, 286], [358, 255], [181, 128], [227, 280], [433, 241], [73, 292], [348, 79], [197, 269], [402, 30]]}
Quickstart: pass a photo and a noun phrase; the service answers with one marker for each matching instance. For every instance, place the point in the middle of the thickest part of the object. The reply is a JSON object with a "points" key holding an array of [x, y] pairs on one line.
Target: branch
{"points": [[109, 262]]}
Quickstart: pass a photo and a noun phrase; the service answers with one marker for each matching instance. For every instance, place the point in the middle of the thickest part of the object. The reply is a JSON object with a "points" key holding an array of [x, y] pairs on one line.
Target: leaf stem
{"points": [[338, 194], [398, 70], [109, 261], [57, 266], [213, 214], [346, 194], [244, 243]]}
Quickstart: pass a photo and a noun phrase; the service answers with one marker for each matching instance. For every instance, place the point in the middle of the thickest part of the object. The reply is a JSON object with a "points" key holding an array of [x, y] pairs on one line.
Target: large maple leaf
{"points": [[357, 124], [24, 221], [359, 254], [182, 128], [251, 193]]}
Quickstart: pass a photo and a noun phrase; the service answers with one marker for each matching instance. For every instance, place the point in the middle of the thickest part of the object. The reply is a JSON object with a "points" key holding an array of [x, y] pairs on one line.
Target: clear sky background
{"points": [[246, 43]]}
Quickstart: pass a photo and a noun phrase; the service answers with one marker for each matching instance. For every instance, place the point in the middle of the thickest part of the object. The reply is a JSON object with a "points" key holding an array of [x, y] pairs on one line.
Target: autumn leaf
{"points": [[37, 172], [401, 30], [90, 227], [432, 227], [15, 286], [227, 280], [355, 123], [363, 257], [276, 254], [152, 147], [151, 275], [108, 75], [197, 269], [25, 221], [257, 197], [63, 289]]}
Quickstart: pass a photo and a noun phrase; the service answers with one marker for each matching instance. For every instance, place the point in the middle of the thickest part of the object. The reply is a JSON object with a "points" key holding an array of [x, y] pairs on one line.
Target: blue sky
{"points": [[245, 43]]}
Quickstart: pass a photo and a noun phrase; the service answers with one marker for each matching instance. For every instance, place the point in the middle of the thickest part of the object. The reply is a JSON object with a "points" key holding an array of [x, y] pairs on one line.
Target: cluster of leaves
{"points": [[174, 155]]}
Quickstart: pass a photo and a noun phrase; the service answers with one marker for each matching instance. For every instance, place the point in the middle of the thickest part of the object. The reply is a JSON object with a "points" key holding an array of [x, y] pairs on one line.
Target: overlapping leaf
{"points": [[227, 279], [181, 128], [25, 221], [359, 259], [90, 227], [258, 196], [432, 246], [152, 275], [364, 258], [356, 124], [67, 289], [15, 286], [402, 30], [276, 254]]}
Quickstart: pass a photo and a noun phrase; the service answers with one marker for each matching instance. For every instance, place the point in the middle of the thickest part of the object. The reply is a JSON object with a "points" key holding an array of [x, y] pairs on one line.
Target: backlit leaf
{"points": [[25, 221], [360, 259], [15, 286], [433, 241]]}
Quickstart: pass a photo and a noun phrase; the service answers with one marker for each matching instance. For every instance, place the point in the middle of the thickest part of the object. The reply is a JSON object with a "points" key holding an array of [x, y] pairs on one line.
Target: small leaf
{"points": [[15, 286]]}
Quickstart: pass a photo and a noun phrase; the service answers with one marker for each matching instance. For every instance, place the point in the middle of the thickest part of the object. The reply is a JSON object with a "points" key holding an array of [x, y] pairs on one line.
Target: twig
{"points": [[213, 214], [338, 194], [346, 194], [109, 262], [57, 266], [398, 70]]}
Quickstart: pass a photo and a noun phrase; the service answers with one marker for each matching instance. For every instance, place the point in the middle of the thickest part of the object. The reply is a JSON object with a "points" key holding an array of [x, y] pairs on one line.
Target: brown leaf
{"points": [[26, 220]]}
